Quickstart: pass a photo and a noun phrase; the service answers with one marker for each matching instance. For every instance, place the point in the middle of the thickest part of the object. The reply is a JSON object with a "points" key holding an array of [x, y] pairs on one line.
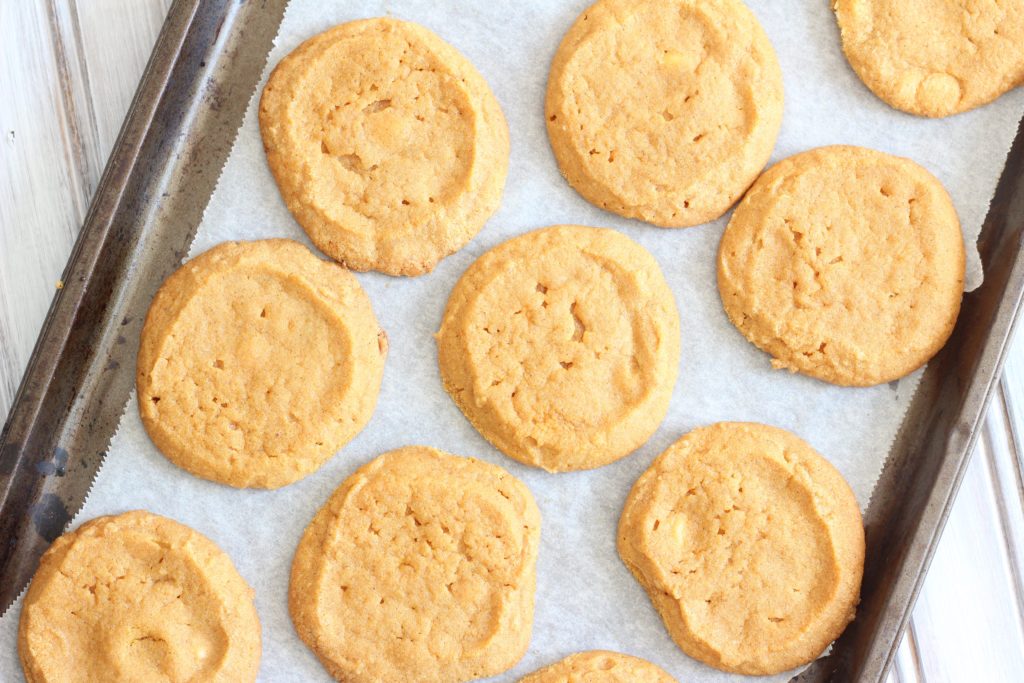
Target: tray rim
{"points": [[127, 160], [181, 83]]}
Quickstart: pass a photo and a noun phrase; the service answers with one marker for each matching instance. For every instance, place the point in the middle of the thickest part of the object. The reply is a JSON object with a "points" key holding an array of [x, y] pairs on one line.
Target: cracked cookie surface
{"points": [[138, 597], [934, 57], [599, 666], [749, 544], [420, 568], [388, 146], [664, 111], [561, 346], [258, 362], [845, 264]]}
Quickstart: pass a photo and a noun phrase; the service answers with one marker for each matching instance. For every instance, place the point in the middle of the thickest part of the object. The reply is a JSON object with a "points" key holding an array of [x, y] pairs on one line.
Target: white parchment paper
{"points": [[585, 596]]}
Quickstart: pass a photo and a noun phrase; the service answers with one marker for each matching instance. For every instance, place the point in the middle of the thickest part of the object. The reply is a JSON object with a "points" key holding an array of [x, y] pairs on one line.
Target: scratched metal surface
{"points": [[69, 70]]}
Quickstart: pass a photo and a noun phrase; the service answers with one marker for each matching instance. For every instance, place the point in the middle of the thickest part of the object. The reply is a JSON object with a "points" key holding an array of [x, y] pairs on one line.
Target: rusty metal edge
{"points": [[964, 377], [926, 464], [177, 135], [192, 97]]}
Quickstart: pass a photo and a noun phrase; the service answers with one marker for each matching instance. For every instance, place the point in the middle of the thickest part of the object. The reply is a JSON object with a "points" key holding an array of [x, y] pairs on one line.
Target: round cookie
{"points": [[561, 346], [600, 666], [749, 544], [934, 57], [258, 362], [138, 597], [845, 264], [388, 146], [664, 110], [420, 568]]}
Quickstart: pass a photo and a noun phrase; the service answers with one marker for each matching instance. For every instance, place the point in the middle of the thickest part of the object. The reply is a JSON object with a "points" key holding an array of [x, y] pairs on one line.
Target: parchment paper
{"points": [[585, 596]]}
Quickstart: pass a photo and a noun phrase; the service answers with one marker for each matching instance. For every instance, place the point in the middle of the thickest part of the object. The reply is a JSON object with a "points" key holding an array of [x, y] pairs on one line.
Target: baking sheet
{"points": [[586, 598]]}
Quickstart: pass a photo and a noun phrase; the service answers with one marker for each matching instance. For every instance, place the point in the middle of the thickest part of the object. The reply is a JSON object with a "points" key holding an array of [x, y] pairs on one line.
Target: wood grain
{"points": [[69, 70]]}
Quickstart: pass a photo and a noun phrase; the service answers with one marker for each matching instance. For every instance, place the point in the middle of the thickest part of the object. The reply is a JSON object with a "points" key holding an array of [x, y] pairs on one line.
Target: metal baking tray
{"points": [[179, 130]]}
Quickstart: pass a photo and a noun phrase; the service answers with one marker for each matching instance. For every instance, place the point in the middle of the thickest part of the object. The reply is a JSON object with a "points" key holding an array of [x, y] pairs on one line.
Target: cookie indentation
{"points": [[932, 57], [561, 346], [813, 255], [388, 146], [420, 567], [652, 103], [750, 545], [138, 593], [264, 360]]}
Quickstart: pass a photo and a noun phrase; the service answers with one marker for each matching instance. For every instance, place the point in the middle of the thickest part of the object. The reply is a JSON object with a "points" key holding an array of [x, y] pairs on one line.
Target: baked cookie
{"points": [[258, 362], [387, 145], [138, 597], [749, 544], [844, 264], [934, 57], [599, 666], [561, 346], [664, 110], [421, 567]]}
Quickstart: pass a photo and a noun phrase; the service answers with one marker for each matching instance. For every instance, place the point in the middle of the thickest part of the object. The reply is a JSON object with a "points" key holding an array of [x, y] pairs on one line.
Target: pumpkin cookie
{"points": [[664, 110], [258, 362], [421, 567], [934, 57], [387, 145], [138, 597], [750, 545], [561, 346], [844, 264], [599, 666]]}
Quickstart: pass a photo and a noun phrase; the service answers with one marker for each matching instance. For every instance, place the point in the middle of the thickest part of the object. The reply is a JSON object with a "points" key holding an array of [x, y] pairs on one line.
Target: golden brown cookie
{"points": [[388, 146], [561, 346], [664, 110], [599, 666], [138, 597], [750, 545], [934, 57], [420, 568], [258, 362], [845, 264]]}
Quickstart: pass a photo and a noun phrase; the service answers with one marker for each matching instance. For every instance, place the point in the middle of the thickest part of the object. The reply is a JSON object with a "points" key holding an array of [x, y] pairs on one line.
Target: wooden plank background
{"points": [[68, 70]]}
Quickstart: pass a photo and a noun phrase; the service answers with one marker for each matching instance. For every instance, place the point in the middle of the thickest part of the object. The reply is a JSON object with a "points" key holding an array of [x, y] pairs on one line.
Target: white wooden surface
{"points": [[68, 69]]}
